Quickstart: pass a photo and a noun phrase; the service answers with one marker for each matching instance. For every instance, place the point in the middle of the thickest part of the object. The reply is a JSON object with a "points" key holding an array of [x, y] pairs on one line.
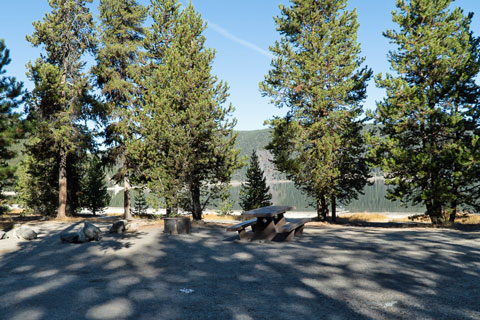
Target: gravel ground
{"points": [[329, 273]]}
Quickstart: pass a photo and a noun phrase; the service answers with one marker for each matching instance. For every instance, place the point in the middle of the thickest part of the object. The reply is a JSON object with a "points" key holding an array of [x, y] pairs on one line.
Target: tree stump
{"points": [[179, 225]]}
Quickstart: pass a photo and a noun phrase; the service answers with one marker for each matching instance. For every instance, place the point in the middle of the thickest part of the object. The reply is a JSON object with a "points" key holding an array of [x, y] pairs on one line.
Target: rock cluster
{"points": [[123, 226], [89, 232]]}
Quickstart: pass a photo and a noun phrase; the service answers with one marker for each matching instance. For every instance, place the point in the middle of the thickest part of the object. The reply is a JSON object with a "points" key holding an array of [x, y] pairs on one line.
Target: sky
{"points": [[240, 31]]}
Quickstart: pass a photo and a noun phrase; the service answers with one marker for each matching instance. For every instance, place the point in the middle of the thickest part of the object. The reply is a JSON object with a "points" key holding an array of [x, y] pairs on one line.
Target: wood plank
{"points": [[242, 225], [293, 225], [267, 212]]}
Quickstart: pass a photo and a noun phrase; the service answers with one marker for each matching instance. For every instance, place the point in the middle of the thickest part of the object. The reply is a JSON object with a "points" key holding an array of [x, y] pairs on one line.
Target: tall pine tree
{"points": [[184, 128], [255, 193], [317, 74], [121, 32], [10, 95], [60, 103], [429, 121]]}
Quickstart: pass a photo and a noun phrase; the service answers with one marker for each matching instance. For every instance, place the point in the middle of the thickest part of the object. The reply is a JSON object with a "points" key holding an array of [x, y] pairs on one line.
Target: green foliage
{"points": [[226, 205], [94, 195], [141, 206], [10, 94], [121, 33], [255, 192], [428, 123], [37, 182], [186, 144], [60, 103], [317, 74]]}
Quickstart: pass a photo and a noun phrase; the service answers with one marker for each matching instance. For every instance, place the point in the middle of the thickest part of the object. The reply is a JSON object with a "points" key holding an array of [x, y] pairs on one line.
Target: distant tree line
{"points": [[151, 100]]}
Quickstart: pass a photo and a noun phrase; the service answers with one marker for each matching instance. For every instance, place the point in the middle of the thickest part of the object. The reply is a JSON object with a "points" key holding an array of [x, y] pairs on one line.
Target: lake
{"points": [[373, 199]]}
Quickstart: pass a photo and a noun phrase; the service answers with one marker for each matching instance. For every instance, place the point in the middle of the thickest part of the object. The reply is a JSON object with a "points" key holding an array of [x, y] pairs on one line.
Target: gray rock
{"points": [[10, 235], [131, 227], [91, 232], [69, 237], [81, 236], [119, 226], [25, 233]]}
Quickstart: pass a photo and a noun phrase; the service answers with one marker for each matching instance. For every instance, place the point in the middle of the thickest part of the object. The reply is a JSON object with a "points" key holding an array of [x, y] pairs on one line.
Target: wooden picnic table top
{"points": [[267, 212]]}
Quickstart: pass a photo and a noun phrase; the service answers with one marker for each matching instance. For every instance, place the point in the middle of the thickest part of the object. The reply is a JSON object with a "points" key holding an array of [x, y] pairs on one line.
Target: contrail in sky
{"points": [[238, 40]]}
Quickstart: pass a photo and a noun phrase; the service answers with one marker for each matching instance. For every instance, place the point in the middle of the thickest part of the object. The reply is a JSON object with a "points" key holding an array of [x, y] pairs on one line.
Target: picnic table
{"points": [[269, 223]]}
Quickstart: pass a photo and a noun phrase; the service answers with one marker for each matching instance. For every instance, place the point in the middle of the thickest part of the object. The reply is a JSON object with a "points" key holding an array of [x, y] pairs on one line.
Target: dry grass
{"points": [[466, 218], [363, 217], [221, 218]]}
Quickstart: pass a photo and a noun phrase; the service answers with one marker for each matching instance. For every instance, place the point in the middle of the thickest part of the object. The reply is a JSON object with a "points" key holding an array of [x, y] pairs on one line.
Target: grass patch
{"points": [[363, 217], [221, 217], [468, 218]]}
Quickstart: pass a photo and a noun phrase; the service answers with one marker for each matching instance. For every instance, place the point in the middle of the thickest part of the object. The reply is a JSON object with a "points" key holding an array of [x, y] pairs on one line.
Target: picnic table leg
{"points": [[264, 229], [299, 230], [280, 220]]}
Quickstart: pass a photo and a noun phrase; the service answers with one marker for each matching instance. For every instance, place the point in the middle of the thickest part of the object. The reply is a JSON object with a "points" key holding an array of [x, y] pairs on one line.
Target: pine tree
{"points": [[141, 206], [117, 63], [37, 183], [186, 136], [255, 193], [317, 74], [10, 94], [428, 123], [60, 103], [94, 196]]}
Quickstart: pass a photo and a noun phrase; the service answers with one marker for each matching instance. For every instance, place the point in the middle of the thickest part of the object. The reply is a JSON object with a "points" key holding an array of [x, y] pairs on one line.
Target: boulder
{"points": [[123, 226], [119, 226], [69, 237], [22, 233], [131, 227], [10, 235], [91, 232], [25, 233], [87, 233], [81, 236]]}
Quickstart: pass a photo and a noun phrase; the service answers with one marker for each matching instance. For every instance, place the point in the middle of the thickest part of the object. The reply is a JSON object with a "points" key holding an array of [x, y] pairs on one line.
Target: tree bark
{"points": [[62, 185], [319, 210], [453, 214], [324, 207], [334, 209], [435, 213], [126, 199], [196, 204]]}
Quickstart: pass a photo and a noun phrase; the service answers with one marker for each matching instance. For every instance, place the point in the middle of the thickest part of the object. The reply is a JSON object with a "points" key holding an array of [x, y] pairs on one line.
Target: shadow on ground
{"points": [[329, 273]]}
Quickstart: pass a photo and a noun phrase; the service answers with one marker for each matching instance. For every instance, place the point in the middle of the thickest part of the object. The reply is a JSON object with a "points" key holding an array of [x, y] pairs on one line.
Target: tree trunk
{"points": [[62, 185], [334, 209], [453, 214], [319, 210], [436, 215], [324, 207], [127, 215], [196, 205]]}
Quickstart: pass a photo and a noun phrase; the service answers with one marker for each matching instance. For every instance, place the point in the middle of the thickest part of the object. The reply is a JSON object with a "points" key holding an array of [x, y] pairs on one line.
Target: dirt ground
{"points": [[331, 272]]}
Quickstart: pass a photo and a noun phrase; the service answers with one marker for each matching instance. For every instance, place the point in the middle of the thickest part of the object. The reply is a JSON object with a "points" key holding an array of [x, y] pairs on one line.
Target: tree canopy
{"points": [[429, 121], [316, 73]]}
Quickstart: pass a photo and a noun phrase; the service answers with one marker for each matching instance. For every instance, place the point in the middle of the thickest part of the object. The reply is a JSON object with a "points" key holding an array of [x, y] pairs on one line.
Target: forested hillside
{"points": [[247, 141]]}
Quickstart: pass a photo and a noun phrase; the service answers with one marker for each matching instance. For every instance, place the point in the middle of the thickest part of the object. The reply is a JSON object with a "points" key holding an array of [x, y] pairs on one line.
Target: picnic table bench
{"points": [[269, 223]]}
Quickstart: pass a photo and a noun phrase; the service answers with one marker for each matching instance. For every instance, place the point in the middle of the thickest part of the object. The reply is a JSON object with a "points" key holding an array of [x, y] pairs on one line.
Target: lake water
{"points": [[285, 193]]}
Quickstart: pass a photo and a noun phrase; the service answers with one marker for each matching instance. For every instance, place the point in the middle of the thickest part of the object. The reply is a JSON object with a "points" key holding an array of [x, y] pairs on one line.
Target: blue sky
{"points": [[240, 31]]}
